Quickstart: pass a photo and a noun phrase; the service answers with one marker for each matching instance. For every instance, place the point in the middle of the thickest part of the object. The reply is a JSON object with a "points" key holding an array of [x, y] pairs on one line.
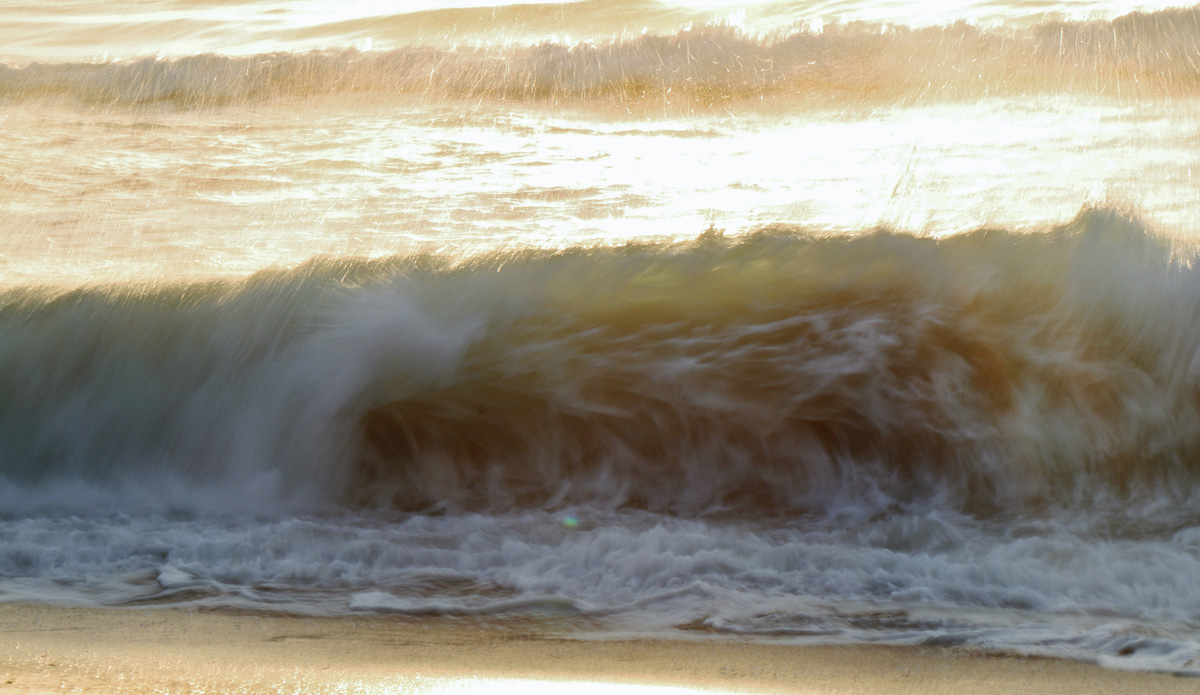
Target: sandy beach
{"points": [[59, 649]]}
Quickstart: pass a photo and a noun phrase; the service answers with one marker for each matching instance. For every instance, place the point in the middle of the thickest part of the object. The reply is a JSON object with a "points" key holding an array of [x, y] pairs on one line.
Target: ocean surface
{"points": [[829, 321]]}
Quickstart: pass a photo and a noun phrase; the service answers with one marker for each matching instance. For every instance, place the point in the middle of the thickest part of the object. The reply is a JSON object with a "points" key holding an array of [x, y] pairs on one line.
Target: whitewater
{"points": [[803, 322]]}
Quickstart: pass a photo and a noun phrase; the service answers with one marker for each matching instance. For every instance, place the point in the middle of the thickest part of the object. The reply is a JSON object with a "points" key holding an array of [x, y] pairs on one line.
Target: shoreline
{"points": [[179, 650]]}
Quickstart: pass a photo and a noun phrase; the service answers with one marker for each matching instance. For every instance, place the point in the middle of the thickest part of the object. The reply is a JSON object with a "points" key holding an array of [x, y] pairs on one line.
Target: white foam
{"points": [[1056, 587]]}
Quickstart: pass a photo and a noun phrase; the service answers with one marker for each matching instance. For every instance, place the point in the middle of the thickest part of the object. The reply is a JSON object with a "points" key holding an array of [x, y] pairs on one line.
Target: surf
{"points": [[780, 372]]}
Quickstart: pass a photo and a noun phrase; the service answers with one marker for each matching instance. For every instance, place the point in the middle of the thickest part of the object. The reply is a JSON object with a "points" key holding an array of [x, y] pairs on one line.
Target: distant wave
{"points": [[1135, 56], [780, 372]]}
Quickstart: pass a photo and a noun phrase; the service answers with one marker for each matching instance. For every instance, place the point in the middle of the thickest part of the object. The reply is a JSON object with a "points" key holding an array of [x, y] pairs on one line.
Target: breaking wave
{"points": [[777, 373], [1140, 55]]}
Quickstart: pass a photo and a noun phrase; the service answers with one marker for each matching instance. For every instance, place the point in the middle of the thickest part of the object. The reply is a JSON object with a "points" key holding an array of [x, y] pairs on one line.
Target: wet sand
{"points": [[56, 649]]}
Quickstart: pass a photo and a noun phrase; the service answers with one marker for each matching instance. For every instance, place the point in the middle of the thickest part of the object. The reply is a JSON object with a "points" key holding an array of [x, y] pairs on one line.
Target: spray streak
{"points": [[1135, 56]]}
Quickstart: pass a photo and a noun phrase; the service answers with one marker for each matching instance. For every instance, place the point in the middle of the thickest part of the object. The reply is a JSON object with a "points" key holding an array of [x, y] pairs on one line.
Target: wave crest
{"points": [[1135, 56]]}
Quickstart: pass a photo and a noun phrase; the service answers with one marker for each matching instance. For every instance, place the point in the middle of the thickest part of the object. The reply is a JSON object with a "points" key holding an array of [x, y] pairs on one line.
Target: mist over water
{"points": [[814, 322]]}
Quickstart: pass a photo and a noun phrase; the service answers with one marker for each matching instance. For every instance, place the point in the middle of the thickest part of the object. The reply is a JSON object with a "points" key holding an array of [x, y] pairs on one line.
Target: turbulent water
{"points": [[801, 321]]}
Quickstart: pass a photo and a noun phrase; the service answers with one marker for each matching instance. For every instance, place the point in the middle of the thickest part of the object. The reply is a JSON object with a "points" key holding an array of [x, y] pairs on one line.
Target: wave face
{"points": [[1137, 56], [779, 374]]}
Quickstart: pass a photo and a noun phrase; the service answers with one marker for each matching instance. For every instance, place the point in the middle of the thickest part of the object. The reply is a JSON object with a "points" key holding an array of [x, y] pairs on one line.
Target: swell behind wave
{"points": [[780, 372], [1136, 56]]}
